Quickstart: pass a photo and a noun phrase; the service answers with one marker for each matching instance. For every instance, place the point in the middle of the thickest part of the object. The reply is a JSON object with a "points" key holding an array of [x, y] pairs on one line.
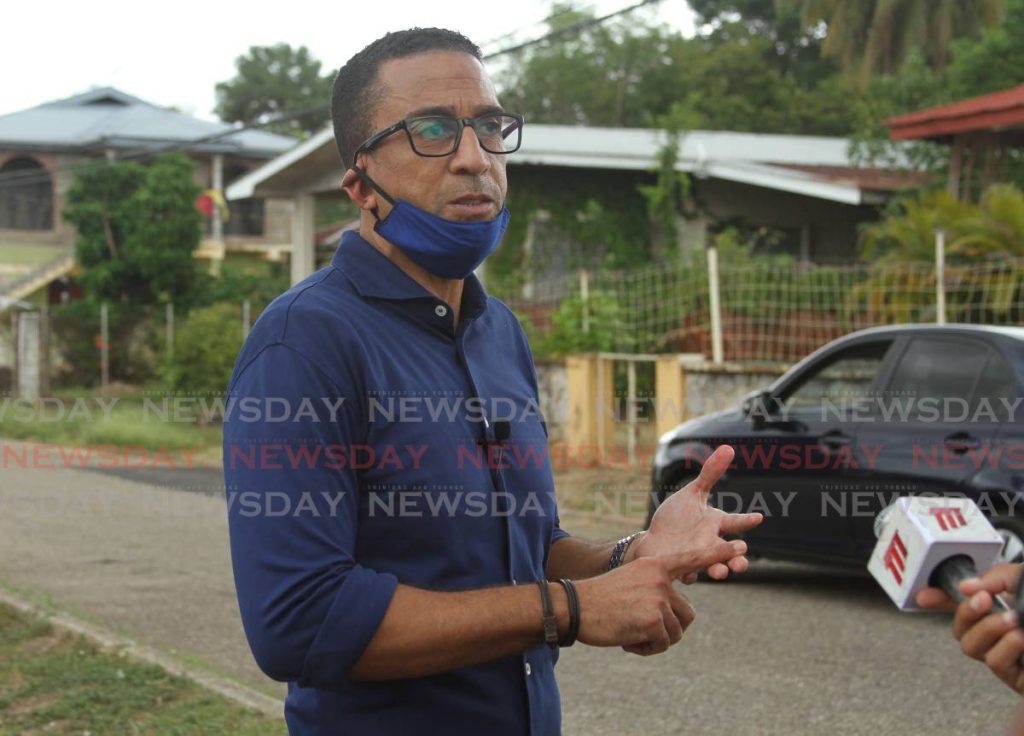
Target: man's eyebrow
{"points": [[449, 110]]}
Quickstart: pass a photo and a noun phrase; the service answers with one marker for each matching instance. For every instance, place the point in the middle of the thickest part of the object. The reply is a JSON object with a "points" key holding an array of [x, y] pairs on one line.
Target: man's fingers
{"points": [[719, 550], [979, 639], [681, 609], [713, 469], [673, 626], [739, 564], [935, 599], [998, 579], [1004, 656], [970, 612], [739, 523], [718, 571]]}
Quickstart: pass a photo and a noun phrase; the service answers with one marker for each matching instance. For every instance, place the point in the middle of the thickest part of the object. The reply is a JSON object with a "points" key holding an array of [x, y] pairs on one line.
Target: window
{"points": [[26, 195], [939, 368], [842, 380]]}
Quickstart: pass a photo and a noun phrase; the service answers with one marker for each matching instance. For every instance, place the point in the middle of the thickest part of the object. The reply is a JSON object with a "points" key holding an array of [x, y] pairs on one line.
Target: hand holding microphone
{"points": [[927, 557]]}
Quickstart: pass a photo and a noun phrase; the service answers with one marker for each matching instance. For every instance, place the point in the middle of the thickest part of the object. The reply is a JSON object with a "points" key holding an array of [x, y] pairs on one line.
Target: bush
{"points": [[205, 348]]}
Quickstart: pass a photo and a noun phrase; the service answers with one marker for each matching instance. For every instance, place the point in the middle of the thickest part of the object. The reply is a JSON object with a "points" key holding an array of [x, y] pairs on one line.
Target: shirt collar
{"points": [[374, 275]]}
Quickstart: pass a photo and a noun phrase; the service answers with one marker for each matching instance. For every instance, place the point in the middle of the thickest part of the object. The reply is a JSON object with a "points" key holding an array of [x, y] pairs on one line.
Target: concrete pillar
{"points": [[669, 392], [217, 184], [591, 423], [29, 356], [303, 237]]}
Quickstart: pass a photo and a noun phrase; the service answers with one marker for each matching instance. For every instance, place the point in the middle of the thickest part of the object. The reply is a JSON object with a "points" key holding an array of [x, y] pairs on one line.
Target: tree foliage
{"points": [[137, 228], [271, 81], [878, 36]]}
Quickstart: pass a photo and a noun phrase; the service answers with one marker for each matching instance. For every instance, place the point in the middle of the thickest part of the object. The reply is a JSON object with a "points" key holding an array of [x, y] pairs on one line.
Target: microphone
{"points": [[935, 542], [495, 434]]}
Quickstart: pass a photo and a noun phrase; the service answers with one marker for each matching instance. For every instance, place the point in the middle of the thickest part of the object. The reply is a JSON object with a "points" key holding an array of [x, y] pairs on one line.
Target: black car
{"points": [[878, 414]]}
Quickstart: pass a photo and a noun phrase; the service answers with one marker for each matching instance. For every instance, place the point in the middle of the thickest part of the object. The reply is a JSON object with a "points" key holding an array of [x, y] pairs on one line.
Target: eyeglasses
{"points": [[440, 135]]}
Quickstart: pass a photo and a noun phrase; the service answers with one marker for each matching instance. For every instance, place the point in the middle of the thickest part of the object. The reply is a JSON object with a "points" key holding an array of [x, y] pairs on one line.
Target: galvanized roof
{"points": [[805, 165], [109, 118]]}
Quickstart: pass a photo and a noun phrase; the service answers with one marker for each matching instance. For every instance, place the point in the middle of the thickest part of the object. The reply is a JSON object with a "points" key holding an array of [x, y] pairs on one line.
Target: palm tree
{"points": [[871, 36]]}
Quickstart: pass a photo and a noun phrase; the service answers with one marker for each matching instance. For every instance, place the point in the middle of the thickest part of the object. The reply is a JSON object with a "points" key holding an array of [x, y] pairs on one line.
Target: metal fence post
{"points": [[169, 329], [104, 350], [584, 298], [715, 305], [245, 319], [940, 277]]}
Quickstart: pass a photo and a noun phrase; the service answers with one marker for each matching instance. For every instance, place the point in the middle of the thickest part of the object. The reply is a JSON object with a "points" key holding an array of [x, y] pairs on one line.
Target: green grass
{"points": [[129, 423], [54, 682]]}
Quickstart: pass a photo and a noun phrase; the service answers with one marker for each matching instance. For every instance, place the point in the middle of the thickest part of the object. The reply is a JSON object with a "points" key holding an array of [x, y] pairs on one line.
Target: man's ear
{"points": [[359, 191]]}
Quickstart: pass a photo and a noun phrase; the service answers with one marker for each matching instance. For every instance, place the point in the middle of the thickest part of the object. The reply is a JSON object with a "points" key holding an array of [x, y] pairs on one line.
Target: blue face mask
{"points": [[451, 249]]}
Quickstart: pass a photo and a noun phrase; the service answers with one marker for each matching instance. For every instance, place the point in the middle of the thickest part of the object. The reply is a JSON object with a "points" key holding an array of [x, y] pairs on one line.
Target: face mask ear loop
{"points": [[376, 187]]}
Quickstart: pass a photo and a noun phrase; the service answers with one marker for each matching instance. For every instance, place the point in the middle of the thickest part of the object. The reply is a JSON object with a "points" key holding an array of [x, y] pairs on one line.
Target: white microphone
{"points": [[933, 542]]}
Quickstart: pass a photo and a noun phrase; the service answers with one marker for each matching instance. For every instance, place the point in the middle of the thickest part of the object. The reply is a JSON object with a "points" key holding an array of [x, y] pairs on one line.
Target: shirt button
{"points": [[440, 310], [528, 670]]}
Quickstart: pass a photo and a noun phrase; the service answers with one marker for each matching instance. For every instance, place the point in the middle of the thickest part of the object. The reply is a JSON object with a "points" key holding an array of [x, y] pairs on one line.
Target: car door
{"points": [[923, 435], [801, 449]]}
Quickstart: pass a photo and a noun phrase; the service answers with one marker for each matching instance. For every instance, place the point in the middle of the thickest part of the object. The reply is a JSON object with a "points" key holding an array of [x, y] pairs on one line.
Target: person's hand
{"points": [[635, 606], [685, 522], [994, 639]]}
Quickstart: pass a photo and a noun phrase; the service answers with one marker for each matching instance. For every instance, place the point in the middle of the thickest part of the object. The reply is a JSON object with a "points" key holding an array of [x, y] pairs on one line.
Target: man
{"points": [[993, 638], [391, 557]]}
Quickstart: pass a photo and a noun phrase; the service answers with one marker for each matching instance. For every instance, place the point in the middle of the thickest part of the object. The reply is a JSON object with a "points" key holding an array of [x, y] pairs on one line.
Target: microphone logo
{"points": [[948, 518], [896, 558]]}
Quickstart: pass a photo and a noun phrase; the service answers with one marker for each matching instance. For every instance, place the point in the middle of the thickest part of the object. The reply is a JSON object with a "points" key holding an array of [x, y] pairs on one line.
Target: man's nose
{"points": [[470, 157]]}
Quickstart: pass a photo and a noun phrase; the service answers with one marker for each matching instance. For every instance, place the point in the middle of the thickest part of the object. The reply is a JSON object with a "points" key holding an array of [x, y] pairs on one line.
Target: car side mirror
{"points": [[760, 404]]}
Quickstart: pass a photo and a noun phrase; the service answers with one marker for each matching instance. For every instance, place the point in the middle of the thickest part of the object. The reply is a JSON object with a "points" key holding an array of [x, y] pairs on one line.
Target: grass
{"points": [[129, 423], [54, 682]]}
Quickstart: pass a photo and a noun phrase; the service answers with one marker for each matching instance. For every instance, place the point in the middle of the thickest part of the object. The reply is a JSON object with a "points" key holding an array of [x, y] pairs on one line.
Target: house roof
{"points": [[109, 118], [996, 111], [812, 166]]}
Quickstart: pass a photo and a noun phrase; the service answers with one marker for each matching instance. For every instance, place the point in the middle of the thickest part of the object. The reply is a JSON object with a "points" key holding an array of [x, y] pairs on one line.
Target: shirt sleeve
{"points": [[308, 607]]}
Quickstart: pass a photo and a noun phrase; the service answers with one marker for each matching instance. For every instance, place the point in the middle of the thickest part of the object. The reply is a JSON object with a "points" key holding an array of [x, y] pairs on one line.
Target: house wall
{"points": [[831, 227], [62, 235]]}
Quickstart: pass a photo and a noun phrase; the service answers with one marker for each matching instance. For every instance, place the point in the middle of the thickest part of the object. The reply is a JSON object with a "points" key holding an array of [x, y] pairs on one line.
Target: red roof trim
{"points": [[995, 110]]}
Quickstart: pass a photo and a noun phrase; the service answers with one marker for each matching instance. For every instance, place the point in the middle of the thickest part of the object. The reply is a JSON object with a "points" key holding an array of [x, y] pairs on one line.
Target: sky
{"points": [[173, 54]]}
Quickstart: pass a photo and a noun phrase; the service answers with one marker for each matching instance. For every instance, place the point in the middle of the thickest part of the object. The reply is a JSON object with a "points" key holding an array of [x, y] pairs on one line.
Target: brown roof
{"points": [[996, 111]]}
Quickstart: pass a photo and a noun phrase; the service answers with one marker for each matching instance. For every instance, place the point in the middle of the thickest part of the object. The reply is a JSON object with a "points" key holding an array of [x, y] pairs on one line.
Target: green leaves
{"points": [[137, 227], [277, 80]]}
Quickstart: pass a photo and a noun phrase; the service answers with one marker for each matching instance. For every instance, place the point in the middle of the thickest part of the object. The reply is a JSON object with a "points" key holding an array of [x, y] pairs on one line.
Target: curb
{"points": [[237, 693]]}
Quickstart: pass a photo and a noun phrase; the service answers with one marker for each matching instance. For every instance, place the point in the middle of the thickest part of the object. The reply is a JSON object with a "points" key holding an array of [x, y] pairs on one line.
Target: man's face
{"points": [[469, 184]]}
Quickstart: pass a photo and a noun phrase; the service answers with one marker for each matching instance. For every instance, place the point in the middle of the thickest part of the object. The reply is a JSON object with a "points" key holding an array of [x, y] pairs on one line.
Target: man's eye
{"points": [[432, 130], [489, 128]]}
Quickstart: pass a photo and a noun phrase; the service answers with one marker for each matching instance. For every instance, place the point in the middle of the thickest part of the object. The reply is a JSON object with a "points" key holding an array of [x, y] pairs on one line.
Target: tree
{"points": [[277, 80], [137, 228], [877, 36]]}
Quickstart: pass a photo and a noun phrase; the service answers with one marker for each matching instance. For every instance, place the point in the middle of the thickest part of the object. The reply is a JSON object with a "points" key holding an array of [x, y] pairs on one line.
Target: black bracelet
{"points": [[548, 615], [574, 613]]}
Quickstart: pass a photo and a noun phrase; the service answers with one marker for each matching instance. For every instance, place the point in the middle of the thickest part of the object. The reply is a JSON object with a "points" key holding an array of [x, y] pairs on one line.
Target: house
{"points": [[41, 147], [980, 132], [805, 187]]}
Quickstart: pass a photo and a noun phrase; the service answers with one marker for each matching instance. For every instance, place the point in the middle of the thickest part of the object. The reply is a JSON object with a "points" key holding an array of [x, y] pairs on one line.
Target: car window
{"points": [[939, 368], [997, 389], [841, 379]]}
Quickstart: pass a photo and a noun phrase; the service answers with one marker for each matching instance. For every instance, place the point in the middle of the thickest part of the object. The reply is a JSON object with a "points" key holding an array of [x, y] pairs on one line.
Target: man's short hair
{"points": [[357, 90]]}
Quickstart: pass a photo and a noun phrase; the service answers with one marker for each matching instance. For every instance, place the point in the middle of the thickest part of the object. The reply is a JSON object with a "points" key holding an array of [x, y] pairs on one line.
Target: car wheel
{"points": [[1012, 532]]}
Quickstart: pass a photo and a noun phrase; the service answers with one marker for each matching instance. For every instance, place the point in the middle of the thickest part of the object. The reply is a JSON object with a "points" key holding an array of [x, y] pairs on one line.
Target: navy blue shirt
{"points": [[362, 448]]}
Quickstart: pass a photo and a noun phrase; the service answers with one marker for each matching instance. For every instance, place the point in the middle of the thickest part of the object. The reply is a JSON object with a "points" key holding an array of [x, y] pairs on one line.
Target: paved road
{"points": [[785, 649]]}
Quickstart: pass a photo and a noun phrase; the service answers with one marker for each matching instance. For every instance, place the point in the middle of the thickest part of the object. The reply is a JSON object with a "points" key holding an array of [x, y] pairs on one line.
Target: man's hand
{"points": [[685, 522], [994, 639], [636, 607]]}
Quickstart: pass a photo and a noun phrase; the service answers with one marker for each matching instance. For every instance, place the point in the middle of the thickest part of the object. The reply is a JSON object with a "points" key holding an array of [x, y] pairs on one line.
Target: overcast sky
{"points": [[173, 54]]}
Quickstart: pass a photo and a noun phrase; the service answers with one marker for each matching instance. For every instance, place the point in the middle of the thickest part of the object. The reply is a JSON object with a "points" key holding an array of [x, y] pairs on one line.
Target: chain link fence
{"points": [[768, 312]]}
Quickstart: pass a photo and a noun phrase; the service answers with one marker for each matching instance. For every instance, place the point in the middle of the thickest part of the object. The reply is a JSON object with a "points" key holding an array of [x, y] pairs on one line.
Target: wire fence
{"points": [[768, 312]]}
